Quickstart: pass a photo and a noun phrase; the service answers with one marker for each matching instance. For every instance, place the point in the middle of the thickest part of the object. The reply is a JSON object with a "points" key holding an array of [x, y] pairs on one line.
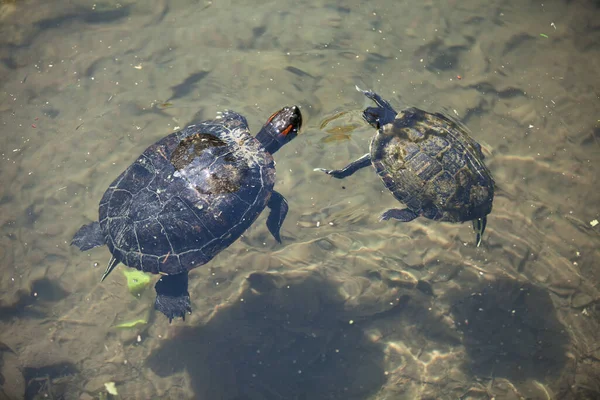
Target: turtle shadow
{"points": [[281, 338], [511, 330]]}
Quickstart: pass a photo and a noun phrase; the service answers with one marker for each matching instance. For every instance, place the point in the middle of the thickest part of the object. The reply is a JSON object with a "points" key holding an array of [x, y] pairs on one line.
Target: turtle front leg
{"points": [[279, 209], [404, 215], [349, 169], [172, 297]]}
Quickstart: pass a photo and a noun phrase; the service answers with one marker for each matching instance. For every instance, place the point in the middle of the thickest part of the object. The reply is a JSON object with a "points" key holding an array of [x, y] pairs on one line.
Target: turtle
{"points": [[429, 163], [189, 196]]}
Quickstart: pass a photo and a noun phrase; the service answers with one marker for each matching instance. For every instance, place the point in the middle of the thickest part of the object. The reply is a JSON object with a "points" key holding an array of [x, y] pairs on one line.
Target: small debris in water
{"points": [[594, 222], [111, 388], [132, 324], [544, 35]]}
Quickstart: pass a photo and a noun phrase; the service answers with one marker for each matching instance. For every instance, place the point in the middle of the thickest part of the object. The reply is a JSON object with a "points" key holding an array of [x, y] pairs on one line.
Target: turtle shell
{"points": [[430, 163], [187, 197]]}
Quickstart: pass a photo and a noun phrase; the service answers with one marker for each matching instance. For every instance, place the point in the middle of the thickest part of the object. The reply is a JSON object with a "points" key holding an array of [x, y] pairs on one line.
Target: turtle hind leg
{"points": [[89, 236], [279, 209], [349, 169], [404, 215], [479, 226], [172, 297]]}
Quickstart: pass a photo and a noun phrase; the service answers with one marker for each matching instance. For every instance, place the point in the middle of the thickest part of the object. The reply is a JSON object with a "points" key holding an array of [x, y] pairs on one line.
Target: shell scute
{"points": [[430, 164]]}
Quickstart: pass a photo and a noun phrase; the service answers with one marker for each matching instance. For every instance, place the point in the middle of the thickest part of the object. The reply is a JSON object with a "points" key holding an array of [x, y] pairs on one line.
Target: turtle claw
{"points": [[173, 307], [348, 169], [384, 217], [172, 297], [336, 173], [331, 172]]}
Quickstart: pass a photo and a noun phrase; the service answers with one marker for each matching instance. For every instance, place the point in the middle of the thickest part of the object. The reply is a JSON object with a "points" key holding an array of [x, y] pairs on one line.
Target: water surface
{"points": [[347, 307]]}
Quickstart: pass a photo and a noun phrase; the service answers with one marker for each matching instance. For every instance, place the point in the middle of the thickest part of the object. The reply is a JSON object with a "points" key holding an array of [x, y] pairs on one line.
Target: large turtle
{"points": [[189, 196], [429, 163]]}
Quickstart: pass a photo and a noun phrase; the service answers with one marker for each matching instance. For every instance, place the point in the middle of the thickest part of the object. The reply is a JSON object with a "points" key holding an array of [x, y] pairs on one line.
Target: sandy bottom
{"points": [[347, 307]]}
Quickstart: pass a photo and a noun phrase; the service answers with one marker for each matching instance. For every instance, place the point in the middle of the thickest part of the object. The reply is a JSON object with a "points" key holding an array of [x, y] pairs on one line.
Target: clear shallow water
{"points": [[348, 307]]}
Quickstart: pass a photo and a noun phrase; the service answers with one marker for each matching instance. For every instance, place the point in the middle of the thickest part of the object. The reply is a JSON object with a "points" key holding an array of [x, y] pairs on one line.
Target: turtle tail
{"points": [[479, 227], [111, 265]]}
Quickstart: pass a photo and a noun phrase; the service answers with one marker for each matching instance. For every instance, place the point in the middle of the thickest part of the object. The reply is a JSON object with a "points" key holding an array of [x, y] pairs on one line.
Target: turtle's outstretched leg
{"points": [[279, 209], [349, 169], [172, 297], [404, 215], [479, 227], [89, 236]]}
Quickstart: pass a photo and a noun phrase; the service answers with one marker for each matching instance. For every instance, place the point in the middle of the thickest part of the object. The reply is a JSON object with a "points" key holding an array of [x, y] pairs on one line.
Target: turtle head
{"points": [[280, 128], [380, 115]]}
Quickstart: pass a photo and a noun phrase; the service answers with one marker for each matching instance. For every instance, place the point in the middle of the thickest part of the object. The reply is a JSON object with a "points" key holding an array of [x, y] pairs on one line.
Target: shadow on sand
{"points": [[511, 331], [285, 337]]}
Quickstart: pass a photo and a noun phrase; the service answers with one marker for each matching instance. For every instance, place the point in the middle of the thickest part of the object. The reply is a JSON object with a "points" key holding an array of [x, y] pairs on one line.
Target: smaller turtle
{"points": [[429, 163], [189, 196]]}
